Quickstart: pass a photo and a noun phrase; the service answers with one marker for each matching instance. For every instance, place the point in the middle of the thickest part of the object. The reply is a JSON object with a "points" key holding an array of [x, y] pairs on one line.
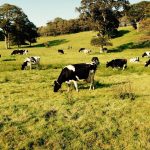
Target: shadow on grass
{"points": [[51, 43], [131, 45], [104, 85], [121, 48], [122, 33], [9, 59]]}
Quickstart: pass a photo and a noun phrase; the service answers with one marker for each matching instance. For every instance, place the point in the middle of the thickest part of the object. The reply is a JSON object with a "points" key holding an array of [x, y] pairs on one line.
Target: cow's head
{"points": [[95, 60], [107, 64], [57, 86], [147, 63], [144, 54], [24, 65]]}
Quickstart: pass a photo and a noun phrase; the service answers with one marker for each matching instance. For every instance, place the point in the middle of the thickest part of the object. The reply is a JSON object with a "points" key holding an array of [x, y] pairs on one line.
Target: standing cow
{"points": [[147, 63], [146, 54], [76, 72], [28, 62], [60, 51], [84, 50], [20, 52], [117, 63]]}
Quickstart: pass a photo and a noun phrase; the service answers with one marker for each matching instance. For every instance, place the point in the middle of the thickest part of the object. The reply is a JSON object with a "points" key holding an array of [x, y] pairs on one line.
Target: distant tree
{"points": [[103, 14], [16, 26], [30, 32], [138, 12], [145, 27], [61, 26], [101, 42]]}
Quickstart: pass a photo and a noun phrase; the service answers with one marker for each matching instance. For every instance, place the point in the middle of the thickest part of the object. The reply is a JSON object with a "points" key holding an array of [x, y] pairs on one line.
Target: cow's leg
{"points": [[30, 65], [124, 66], [92, 82], [75, 85], [68, 87]]}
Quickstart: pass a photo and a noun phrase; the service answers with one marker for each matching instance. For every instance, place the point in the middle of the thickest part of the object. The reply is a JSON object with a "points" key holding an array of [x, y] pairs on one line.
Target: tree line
{"points": [[103, 16], [62, 26]]}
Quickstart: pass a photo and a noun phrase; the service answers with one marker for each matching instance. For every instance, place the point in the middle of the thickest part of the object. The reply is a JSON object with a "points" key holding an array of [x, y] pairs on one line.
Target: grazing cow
{"points": [[96, 60], [76, 72], [60, 51], [20, 52], [146, 54], [81, 49], [136, 59], [117, 63], [104, 50], [85, 51], [147, 63], [34, 60], [0, 55]]}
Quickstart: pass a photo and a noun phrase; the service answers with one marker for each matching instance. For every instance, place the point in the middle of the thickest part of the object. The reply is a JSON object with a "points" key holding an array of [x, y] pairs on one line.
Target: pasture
{"points": [[116, 115]]}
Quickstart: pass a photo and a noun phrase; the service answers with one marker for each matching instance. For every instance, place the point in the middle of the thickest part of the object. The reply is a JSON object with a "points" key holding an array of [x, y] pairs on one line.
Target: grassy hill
{"points": [[116, 115]]}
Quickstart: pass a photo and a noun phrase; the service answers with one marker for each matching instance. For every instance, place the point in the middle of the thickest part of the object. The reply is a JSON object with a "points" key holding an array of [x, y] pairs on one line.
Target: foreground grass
{"points": [[114, 116]]}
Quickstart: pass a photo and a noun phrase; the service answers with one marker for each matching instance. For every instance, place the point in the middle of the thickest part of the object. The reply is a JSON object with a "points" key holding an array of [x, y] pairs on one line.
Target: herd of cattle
{"points": [[81, 71]]}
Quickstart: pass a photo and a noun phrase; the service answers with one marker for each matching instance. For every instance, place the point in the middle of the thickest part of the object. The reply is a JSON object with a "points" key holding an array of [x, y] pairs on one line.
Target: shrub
{"points": [[46, 44], [125, 92], [145, 26]]}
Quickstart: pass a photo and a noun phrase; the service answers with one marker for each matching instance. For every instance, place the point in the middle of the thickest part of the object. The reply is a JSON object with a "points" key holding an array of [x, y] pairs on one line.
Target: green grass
{"points": [[116, 115]]}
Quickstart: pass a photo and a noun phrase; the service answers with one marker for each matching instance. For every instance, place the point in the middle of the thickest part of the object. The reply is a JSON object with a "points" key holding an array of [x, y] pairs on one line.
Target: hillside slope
{"points": [[116, 115]]}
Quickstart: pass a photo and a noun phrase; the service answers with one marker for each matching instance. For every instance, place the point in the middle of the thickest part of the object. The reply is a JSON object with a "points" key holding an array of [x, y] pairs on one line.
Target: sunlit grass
{"points": [[32, 116]]}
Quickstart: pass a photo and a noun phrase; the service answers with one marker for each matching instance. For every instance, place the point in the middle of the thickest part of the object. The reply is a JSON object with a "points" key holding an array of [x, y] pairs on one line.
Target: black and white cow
{"points": [[117, 63], [61, 51], [81, 49], [147, 63], [146, 54], [28, 62], [104, 50], [74, 73], [136, 59], [84, 50], [95, 60], [20, 52]]}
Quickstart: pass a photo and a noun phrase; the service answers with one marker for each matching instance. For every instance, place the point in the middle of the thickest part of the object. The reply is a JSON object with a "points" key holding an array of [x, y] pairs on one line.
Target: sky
{"points": [[41, 11]]}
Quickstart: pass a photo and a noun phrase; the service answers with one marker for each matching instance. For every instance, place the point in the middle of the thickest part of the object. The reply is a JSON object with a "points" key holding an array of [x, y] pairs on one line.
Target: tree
{"points": [[103, 14], [1, 36], [16, 26], [138, 12], [101, 41]]}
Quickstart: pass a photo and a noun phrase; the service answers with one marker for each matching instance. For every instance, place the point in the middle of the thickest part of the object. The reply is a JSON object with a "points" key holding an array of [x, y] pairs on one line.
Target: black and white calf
{"points": [[147, 63], [117, 63], [20, 52], [146, 54], [74, 73], [84, 50], [61, 51], [136, 59], [28, 62]]}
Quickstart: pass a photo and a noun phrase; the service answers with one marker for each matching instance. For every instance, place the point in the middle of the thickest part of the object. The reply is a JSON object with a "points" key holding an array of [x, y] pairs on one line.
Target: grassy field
{"points": [[116, 115]]}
